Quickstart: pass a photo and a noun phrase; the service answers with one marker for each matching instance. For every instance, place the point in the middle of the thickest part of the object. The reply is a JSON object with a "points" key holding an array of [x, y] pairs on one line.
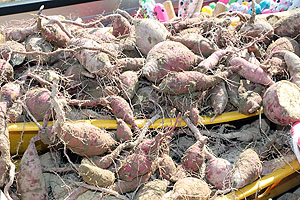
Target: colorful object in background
{"points": [[295, 5], [245, 3], [295, 131], [170, 9], [265, 4], [283, 5], [224, 1], [186, 8], [147, 7], [220, 7], [207, 9], [182, 8], [212, 5], [160, 13], [231, 1]]}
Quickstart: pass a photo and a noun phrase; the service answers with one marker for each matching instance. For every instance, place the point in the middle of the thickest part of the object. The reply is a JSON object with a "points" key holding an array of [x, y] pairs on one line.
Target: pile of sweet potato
{"points": [[62, 70]]}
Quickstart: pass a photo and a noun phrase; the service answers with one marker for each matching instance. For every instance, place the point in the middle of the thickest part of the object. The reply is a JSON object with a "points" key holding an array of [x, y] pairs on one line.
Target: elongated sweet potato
{"points": [[281, 103], [96, 176], [148, 33], [219, 98], [210, 62], [177, 83], [31, 182], [247, 169], [168, 56], [85, 139], [251, 71], [232, 87]]}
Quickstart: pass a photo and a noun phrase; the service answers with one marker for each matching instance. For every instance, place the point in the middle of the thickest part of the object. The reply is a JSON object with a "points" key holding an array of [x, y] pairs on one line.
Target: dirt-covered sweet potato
{"points": [[168, 56], [219, 98], [247, 169], [7, 71], [190, 189], [257, 29], [281, 103], [128, 83], [249, 102], [152, 190], [6, 52], [288, 26], [85, 139], [167, 168], [194, 157], [30, 181], [124, 132], [96, 176]]}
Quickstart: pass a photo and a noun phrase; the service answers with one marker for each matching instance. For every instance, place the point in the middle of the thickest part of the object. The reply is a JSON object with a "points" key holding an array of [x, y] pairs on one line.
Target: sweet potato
{"points": [[218, 171], [210, 62], [85, 139], [194, 157], [19, 34], [10, 92], [99, 35], [251, 71], [288, 26], [293, 65], [96, 176], [31, 182], [257, 29], [219, 98], [232, 87], [76, 72], [128, 84], [4, 145], [121, 109], [123, 131], [148, 33], [281, 103], [128, 186], [167, 168], [94, 61], [168, 57], [177, 83], [6, 52], [249, 102], [191, 189], [38, 43], [14, 113], [247, 169], [195, 42], [7, 71], [284, 43], [38, 102], [152, 190], [131, 64]]}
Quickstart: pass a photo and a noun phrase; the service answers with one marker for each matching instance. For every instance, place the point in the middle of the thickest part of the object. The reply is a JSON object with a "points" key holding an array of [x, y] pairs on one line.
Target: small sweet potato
{"points": [[85, 139], [249, 102], [30, 182], [6, 52], [232, 87], [210, 62], [218, 171], [196, 42], [131, 64], [167, 168], [152, 190], [168, 56], [96, 176], [247, 169], [194, 157], [20, 34], [191, 189], [124, 132], [7, 71], [219, 98], [281, 103], [128, 83], [38, 102]]}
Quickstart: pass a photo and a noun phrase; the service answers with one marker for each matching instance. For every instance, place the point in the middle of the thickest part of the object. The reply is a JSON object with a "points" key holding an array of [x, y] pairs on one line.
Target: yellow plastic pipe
{"points": [[111, 124], [263, 182]]}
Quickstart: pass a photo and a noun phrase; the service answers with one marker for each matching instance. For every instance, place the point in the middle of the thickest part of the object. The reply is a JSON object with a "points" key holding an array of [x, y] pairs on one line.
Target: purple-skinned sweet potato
{"points": [[219, 98], [7, 71], [124, 132], [194, 157], [6, 52], [128, 83]]}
